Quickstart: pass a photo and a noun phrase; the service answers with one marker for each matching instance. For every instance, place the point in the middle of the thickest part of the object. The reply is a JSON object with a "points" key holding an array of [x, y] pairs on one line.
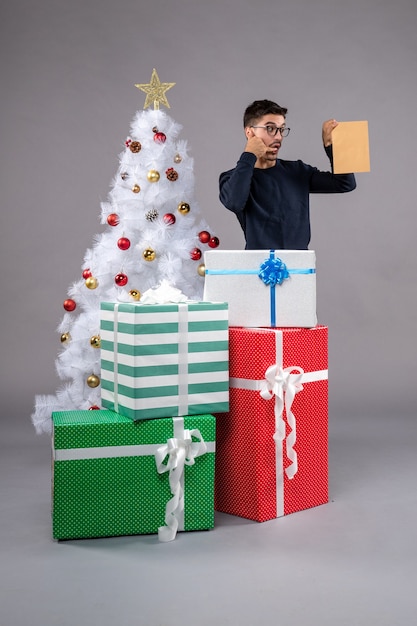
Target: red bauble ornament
{"points": [[69, 305], [160, 137], [195, 254], [120, 280], [169, 219], [214, 242], [94, 408], [87, 273], [112, 219], [123, 243], [204, 236]]}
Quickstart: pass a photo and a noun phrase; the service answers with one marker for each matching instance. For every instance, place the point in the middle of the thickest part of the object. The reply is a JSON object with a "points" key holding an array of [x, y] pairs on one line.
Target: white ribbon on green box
{"points": [[282, 384], [181, 450]]}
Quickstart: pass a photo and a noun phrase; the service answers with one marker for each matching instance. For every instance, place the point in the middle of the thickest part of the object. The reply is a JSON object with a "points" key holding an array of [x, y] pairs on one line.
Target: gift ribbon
{"points": [[282, 384], [179, 451], [272, 272], [115, 358], [104, 452], [182, 356]]}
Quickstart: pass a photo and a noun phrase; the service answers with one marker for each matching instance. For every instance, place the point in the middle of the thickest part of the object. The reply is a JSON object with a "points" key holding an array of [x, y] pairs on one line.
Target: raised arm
{"points": [[327, 182], [235, 184]]}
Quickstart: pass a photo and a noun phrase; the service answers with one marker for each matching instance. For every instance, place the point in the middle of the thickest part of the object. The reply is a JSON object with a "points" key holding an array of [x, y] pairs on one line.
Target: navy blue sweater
{"points": [[273, 204]]}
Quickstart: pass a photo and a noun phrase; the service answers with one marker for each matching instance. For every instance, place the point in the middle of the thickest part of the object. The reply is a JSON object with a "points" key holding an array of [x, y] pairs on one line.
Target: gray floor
{"points": [[351, 562]]}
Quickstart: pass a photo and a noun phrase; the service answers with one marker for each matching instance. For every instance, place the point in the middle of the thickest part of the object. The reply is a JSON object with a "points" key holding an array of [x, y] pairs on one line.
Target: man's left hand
{"points": [[327, 131]]}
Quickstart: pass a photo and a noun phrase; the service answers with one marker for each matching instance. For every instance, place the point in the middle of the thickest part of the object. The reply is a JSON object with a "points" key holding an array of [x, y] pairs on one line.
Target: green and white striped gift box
{"points": [[164, 360]]}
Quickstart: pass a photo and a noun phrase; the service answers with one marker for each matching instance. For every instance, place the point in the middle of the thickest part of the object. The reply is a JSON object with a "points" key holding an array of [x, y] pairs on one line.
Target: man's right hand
{"points": [[255, 145]]}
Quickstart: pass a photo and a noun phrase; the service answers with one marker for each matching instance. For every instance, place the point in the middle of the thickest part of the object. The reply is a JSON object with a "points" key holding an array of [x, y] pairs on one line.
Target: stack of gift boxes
{"points": [[220, 404], [272, 445]]}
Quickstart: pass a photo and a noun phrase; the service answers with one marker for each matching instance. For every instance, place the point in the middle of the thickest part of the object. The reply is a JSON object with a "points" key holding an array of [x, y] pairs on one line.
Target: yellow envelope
{"points": [[351, 148]]}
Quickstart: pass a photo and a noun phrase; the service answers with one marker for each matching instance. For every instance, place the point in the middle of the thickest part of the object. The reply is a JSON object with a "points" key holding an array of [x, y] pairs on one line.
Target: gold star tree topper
{"points": [[155, 91]]}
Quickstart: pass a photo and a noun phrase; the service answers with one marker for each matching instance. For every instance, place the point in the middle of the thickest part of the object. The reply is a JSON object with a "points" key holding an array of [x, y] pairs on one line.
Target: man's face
{"points": [[265, 128]]}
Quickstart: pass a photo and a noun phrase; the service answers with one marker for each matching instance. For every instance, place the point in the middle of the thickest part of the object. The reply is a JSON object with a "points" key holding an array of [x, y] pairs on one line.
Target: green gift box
{"points": [[112, 476], [164, 360]]}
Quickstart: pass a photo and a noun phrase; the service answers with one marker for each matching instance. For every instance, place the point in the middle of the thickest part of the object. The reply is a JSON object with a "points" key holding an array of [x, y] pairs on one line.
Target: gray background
{"points": [[68, 97], [67, 82], [67, 72]]}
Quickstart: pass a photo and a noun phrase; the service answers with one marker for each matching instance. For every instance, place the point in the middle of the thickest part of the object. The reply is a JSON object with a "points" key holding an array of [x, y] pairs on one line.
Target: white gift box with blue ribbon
{"points": [[273, 288]]}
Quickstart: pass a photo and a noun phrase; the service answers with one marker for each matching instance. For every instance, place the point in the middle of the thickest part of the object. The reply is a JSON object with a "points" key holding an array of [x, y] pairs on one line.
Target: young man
{"points": [[270, 196]]}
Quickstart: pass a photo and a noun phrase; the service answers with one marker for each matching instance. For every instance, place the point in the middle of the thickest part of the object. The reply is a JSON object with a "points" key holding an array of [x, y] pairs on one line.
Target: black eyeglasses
{"points": [[274, 130]]}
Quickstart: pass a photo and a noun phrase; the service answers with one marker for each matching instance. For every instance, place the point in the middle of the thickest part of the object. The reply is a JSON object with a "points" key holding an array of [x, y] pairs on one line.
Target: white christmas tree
{"points": [[154, 233]]}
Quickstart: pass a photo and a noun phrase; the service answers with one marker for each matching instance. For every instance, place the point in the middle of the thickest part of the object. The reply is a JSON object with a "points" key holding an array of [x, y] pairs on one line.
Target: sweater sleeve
{"points": [[235, 184], [327, 182]]}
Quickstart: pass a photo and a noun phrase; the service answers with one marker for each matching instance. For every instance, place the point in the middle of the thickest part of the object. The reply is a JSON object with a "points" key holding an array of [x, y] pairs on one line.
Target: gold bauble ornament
{"points": [[177, 158], [201, 269], [93, 381], [184, 208], [149, 254], [91, 282], [95, 341], [135, 294], [135, 188], [65, 337], [153, 176]]}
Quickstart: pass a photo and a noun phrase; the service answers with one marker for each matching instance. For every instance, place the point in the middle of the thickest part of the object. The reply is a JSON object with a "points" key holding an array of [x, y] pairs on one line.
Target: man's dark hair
{"points": [[259, 108]]}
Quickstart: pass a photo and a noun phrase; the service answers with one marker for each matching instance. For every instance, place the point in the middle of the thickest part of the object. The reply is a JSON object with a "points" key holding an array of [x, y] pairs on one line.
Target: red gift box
{"points": [[272, 446]]}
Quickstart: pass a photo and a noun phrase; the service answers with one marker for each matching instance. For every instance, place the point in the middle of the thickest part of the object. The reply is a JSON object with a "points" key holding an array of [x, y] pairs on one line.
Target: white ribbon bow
{"points": [[180, 452], [283, 384]]}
